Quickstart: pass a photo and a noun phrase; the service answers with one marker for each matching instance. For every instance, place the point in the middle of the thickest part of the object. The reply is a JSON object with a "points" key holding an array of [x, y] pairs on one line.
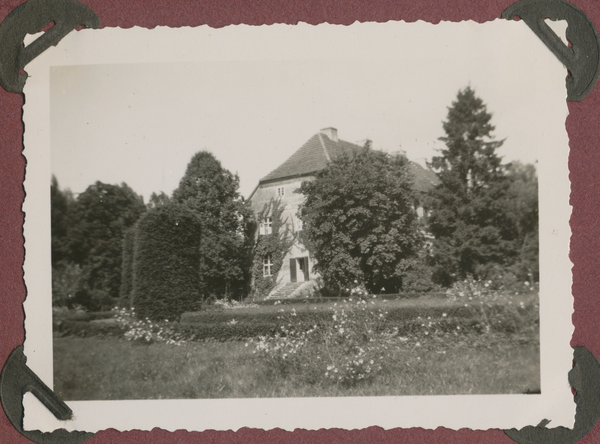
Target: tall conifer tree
{"points": [[468, 209]]}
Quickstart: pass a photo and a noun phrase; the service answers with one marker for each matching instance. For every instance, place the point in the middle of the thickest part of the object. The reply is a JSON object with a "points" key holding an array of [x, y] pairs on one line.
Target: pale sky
{"points": [[141, 123]]}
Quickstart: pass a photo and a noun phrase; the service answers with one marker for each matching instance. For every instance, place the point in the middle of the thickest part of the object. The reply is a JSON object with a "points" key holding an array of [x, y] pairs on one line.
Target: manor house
{"points": [[296, 272]]}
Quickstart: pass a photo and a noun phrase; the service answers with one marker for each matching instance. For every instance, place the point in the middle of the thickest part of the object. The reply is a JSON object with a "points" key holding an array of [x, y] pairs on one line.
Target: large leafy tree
{"points": [[65, 274], [522, 207], [359, 222], [61, 204], [472, 228], [211, 193], [98, 220]]}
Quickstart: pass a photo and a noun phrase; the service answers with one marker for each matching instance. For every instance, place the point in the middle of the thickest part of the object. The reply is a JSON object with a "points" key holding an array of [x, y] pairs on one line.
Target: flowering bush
{"points": [[289, 352], [357, 331], [490, 303], [146, 330], [345, 349]]}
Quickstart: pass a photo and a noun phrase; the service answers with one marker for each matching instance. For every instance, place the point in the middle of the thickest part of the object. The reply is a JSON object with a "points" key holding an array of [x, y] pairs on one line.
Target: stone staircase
{"points": [[285, 290], [294, 290]]}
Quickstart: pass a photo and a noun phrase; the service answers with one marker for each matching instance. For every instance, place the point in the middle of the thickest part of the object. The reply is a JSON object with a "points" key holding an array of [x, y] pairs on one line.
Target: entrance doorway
{"points": [[299, 269]]}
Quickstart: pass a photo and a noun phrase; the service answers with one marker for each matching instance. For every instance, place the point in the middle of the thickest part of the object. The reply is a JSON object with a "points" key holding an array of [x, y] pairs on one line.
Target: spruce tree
{"points": [[468, 209]]}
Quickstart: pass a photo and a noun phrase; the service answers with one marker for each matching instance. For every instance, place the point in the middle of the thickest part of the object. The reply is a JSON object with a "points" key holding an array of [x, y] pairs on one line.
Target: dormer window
{"points": [[266, 227], [280, 191]]}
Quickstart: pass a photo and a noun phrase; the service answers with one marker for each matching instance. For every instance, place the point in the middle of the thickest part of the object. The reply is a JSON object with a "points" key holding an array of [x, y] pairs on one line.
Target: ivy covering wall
{"points": [[276, 244]]}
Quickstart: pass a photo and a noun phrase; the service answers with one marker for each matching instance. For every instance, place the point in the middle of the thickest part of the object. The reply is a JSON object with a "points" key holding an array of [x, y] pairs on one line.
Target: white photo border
{"points": [[137, 45]]}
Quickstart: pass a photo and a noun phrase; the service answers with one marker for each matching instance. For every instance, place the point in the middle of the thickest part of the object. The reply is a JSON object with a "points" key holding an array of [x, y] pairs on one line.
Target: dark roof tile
{"points": [[311, 157], [314, 155], [423, 178]]}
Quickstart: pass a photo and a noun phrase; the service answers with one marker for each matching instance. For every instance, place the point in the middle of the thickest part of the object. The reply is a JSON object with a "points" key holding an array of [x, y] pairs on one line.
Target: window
{"points": [[280, 191], [266, 227], [267, 265]]}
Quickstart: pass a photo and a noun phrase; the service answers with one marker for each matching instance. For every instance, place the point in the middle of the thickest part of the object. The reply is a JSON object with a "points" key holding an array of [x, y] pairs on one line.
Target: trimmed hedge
{"points": [[224, 317], [329, 299], [126, 293], [84, 329], [395, 315], [226, 332], [166, 263], [76, 315], [235, 325]]}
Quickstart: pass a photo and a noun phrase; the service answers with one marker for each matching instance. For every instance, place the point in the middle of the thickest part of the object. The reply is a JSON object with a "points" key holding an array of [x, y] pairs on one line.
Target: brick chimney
{"points": [[331, 133]]}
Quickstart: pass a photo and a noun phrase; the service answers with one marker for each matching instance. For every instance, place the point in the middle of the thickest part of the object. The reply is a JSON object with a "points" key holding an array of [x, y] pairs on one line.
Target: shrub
{"points": [[225, 332], [145, 330], [346, 349], [66, 281], [92, 299], [226, 316], [85, 329], [166, 263], [416, 276], [126, 292], [494, 307]]}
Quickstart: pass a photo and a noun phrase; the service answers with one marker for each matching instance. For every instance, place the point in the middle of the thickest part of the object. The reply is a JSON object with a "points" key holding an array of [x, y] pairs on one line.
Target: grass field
{"points": [[111, 368], [422, 346]]}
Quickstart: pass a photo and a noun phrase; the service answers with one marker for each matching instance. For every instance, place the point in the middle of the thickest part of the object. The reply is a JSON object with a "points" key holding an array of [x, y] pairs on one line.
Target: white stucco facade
{"points": [[298, 264]]}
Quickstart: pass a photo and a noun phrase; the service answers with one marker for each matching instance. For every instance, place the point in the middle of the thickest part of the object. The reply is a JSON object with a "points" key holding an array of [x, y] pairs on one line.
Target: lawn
{"points": [[112, 368], [371, 347]]}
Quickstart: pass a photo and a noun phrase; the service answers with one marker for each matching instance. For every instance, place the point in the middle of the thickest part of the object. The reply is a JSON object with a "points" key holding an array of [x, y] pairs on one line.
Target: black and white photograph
{"points": [[323, 218]]}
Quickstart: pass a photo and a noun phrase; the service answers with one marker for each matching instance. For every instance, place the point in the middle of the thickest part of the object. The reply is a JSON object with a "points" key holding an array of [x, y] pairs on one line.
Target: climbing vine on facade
{"points": [[275, 239]]}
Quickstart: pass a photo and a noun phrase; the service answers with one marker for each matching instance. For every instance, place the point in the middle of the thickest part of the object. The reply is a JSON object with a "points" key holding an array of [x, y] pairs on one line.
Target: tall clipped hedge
{"points": [[166, 262], [126, 293]]}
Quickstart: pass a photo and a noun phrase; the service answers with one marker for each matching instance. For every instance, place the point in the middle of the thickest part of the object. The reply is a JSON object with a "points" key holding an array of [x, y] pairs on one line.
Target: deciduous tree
{"points": [[522, 207], [211, 193], [98, 220], [359, 222]]}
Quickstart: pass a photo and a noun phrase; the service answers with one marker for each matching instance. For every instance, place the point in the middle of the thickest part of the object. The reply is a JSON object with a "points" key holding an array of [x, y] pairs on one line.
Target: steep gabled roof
{"points": [[423, 178], [313, 156]]}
